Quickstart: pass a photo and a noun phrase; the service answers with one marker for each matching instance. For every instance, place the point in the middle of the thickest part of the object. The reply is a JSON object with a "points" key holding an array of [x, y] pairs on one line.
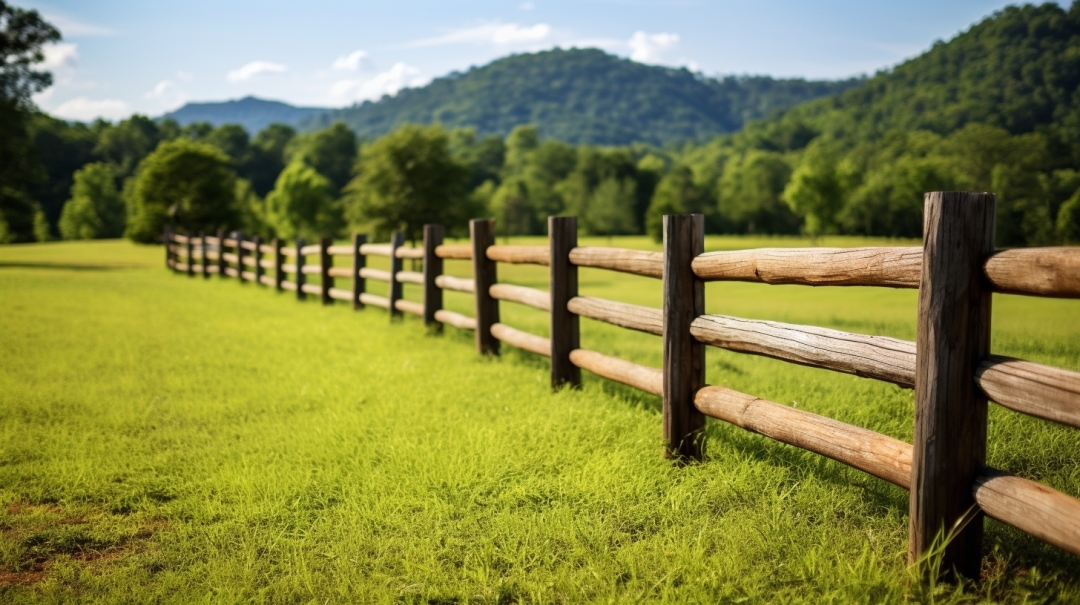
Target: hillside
{"points": [[583, 96], [251, 113]]}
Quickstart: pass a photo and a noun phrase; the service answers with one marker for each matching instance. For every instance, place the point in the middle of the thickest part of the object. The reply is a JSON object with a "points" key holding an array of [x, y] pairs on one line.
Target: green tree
{"points": [[127, 143], [190, 184], [750, 193], [818, 187], [611, 209], [510, 205], [331, 152], [406, 179], [1068, 220], [95, 209], [677, 193], [267, 157], [302, 204]]}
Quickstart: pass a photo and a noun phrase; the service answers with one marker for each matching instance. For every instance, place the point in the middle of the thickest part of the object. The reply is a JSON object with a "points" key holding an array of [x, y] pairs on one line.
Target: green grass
{"points": [[165, 439]]}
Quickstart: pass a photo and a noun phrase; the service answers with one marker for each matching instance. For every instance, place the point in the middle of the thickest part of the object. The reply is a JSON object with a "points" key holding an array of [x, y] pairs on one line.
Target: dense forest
{"points": [[996, 108]]}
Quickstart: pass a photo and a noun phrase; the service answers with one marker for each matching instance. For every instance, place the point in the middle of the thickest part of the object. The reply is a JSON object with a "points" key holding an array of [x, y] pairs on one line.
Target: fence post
{"points": [[190, 256], [396, 240], [202, 254], [684, 356], [950, 412], [240, 253], [279, 259], [563, 284], [258, 259], [166, 238], [358, 240], [221, 253], [300, 294], [433, 268], [482, 235], [325, 262]]}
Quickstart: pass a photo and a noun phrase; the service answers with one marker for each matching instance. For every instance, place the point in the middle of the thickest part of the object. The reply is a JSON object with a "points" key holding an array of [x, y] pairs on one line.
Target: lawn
{"points": [[167, 439]]}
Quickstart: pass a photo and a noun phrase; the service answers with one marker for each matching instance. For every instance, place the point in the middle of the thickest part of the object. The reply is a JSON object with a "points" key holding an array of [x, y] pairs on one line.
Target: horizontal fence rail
{"points": [[940, 383]]}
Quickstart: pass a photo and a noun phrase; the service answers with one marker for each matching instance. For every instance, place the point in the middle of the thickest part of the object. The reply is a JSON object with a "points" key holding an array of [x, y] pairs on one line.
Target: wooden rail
{"points": [[944, 467]]}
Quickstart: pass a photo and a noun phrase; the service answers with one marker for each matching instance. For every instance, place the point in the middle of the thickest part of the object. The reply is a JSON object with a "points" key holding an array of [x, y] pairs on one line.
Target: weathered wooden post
{"points": [[190, 248], [300, 294], [358, 240], [166, 238], [563, 284], [258, 260], [241, 252], [279, 260], [202, 254], [485, 274], [950, 412], [325, 262], [221, 253], [396, 240], [433, 268], [684, 356]]}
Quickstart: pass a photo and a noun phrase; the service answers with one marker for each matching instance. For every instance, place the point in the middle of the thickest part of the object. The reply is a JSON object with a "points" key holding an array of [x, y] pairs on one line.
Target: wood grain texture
{"points": [[1030, 388], [359, 284], [397, 239], [537, 299], [522, 340], [1032, 507], [408, 306], [457, 320], [341, 294], [894, 267], [413, 253], [534, 255], [458, 251], [870, 452], [410, 277], [458, 284], [636, 262], [326, 261], [1036, 271], [376, 249], [379, 274], [344, 250], [650, 380], [878, 357], [565, 327], [485, 274], [624, 315], [684, 356], [375, 300], [950, 412], [432, 269]]}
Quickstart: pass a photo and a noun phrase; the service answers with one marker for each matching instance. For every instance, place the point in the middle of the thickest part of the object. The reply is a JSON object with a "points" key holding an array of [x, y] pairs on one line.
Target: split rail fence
{"points": [[949, 366]]}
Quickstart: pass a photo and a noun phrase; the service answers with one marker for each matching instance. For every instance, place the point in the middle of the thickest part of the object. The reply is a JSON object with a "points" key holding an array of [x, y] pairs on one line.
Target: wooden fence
{"points": [[949, 366]]}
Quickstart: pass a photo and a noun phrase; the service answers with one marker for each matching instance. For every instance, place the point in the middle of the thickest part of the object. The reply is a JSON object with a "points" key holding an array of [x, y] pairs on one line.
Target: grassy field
{"points": [[165, 439]]}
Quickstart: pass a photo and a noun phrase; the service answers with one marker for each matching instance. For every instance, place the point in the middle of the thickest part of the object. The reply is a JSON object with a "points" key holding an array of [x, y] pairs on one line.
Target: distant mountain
{"points": [[253, 114], [583, 96]]}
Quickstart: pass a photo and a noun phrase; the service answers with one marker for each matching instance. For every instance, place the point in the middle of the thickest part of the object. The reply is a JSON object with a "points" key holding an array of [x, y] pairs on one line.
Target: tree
{"points": [[302, 204], [23, 35], [406, 179], [611, 209], [819, 187], [331, 152], [749, 194], [267, 157], [95, 209], [21, 219], [127, 143], [191, 185], [676, 194]]}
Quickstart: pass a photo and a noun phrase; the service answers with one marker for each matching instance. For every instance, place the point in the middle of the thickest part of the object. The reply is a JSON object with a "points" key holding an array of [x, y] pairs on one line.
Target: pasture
{"points": [[174, 439]]}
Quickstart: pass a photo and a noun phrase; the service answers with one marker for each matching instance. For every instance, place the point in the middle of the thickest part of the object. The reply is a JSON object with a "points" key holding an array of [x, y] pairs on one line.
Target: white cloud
{"points": [[62, 55], [352, 61], [168, 94], [492, 33], [527, 6], [255, 68], [649, 48], [73, 28], [84, 109], [386, 83]]}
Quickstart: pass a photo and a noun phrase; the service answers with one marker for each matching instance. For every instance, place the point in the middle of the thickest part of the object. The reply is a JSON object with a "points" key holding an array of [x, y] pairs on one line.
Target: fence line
{"points": [[949, 365]]}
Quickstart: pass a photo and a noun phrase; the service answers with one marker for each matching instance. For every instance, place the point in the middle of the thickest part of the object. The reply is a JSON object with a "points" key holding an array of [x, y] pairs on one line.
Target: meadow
{"points": [[169, 439]]}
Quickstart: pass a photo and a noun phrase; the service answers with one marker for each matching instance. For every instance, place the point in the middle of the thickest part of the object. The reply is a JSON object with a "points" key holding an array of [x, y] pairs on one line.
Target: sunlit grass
{"points": [[173, 439]]}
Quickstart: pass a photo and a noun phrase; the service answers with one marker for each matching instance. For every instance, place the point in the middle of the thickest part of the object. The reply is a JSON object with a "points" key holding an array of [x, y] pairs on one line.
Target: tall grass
{"points": [[173, 439]]}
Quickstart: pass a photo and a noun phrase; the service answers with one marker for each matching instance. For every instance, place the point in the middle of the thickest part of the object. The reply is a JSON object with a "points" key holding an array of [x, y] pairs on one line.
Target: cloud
{"points": [[73, 28], [386, 83], [255, 68], [84, 109], [352, 62], [526, 6], [491, 33], [59, 56], [168, 94], [649, 48]]}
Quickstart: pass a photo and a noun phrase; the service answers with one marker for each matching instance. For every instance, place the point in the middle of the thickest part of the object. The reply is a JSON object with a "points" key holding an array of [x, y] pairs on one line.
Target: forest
{"points": [[997, 108]]}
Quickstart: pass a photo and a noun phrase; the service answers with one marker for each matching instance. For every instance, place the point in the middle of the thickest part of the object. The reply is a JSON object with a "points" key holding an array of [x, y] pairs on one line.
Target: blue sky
{"points": [[125, 56]]}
